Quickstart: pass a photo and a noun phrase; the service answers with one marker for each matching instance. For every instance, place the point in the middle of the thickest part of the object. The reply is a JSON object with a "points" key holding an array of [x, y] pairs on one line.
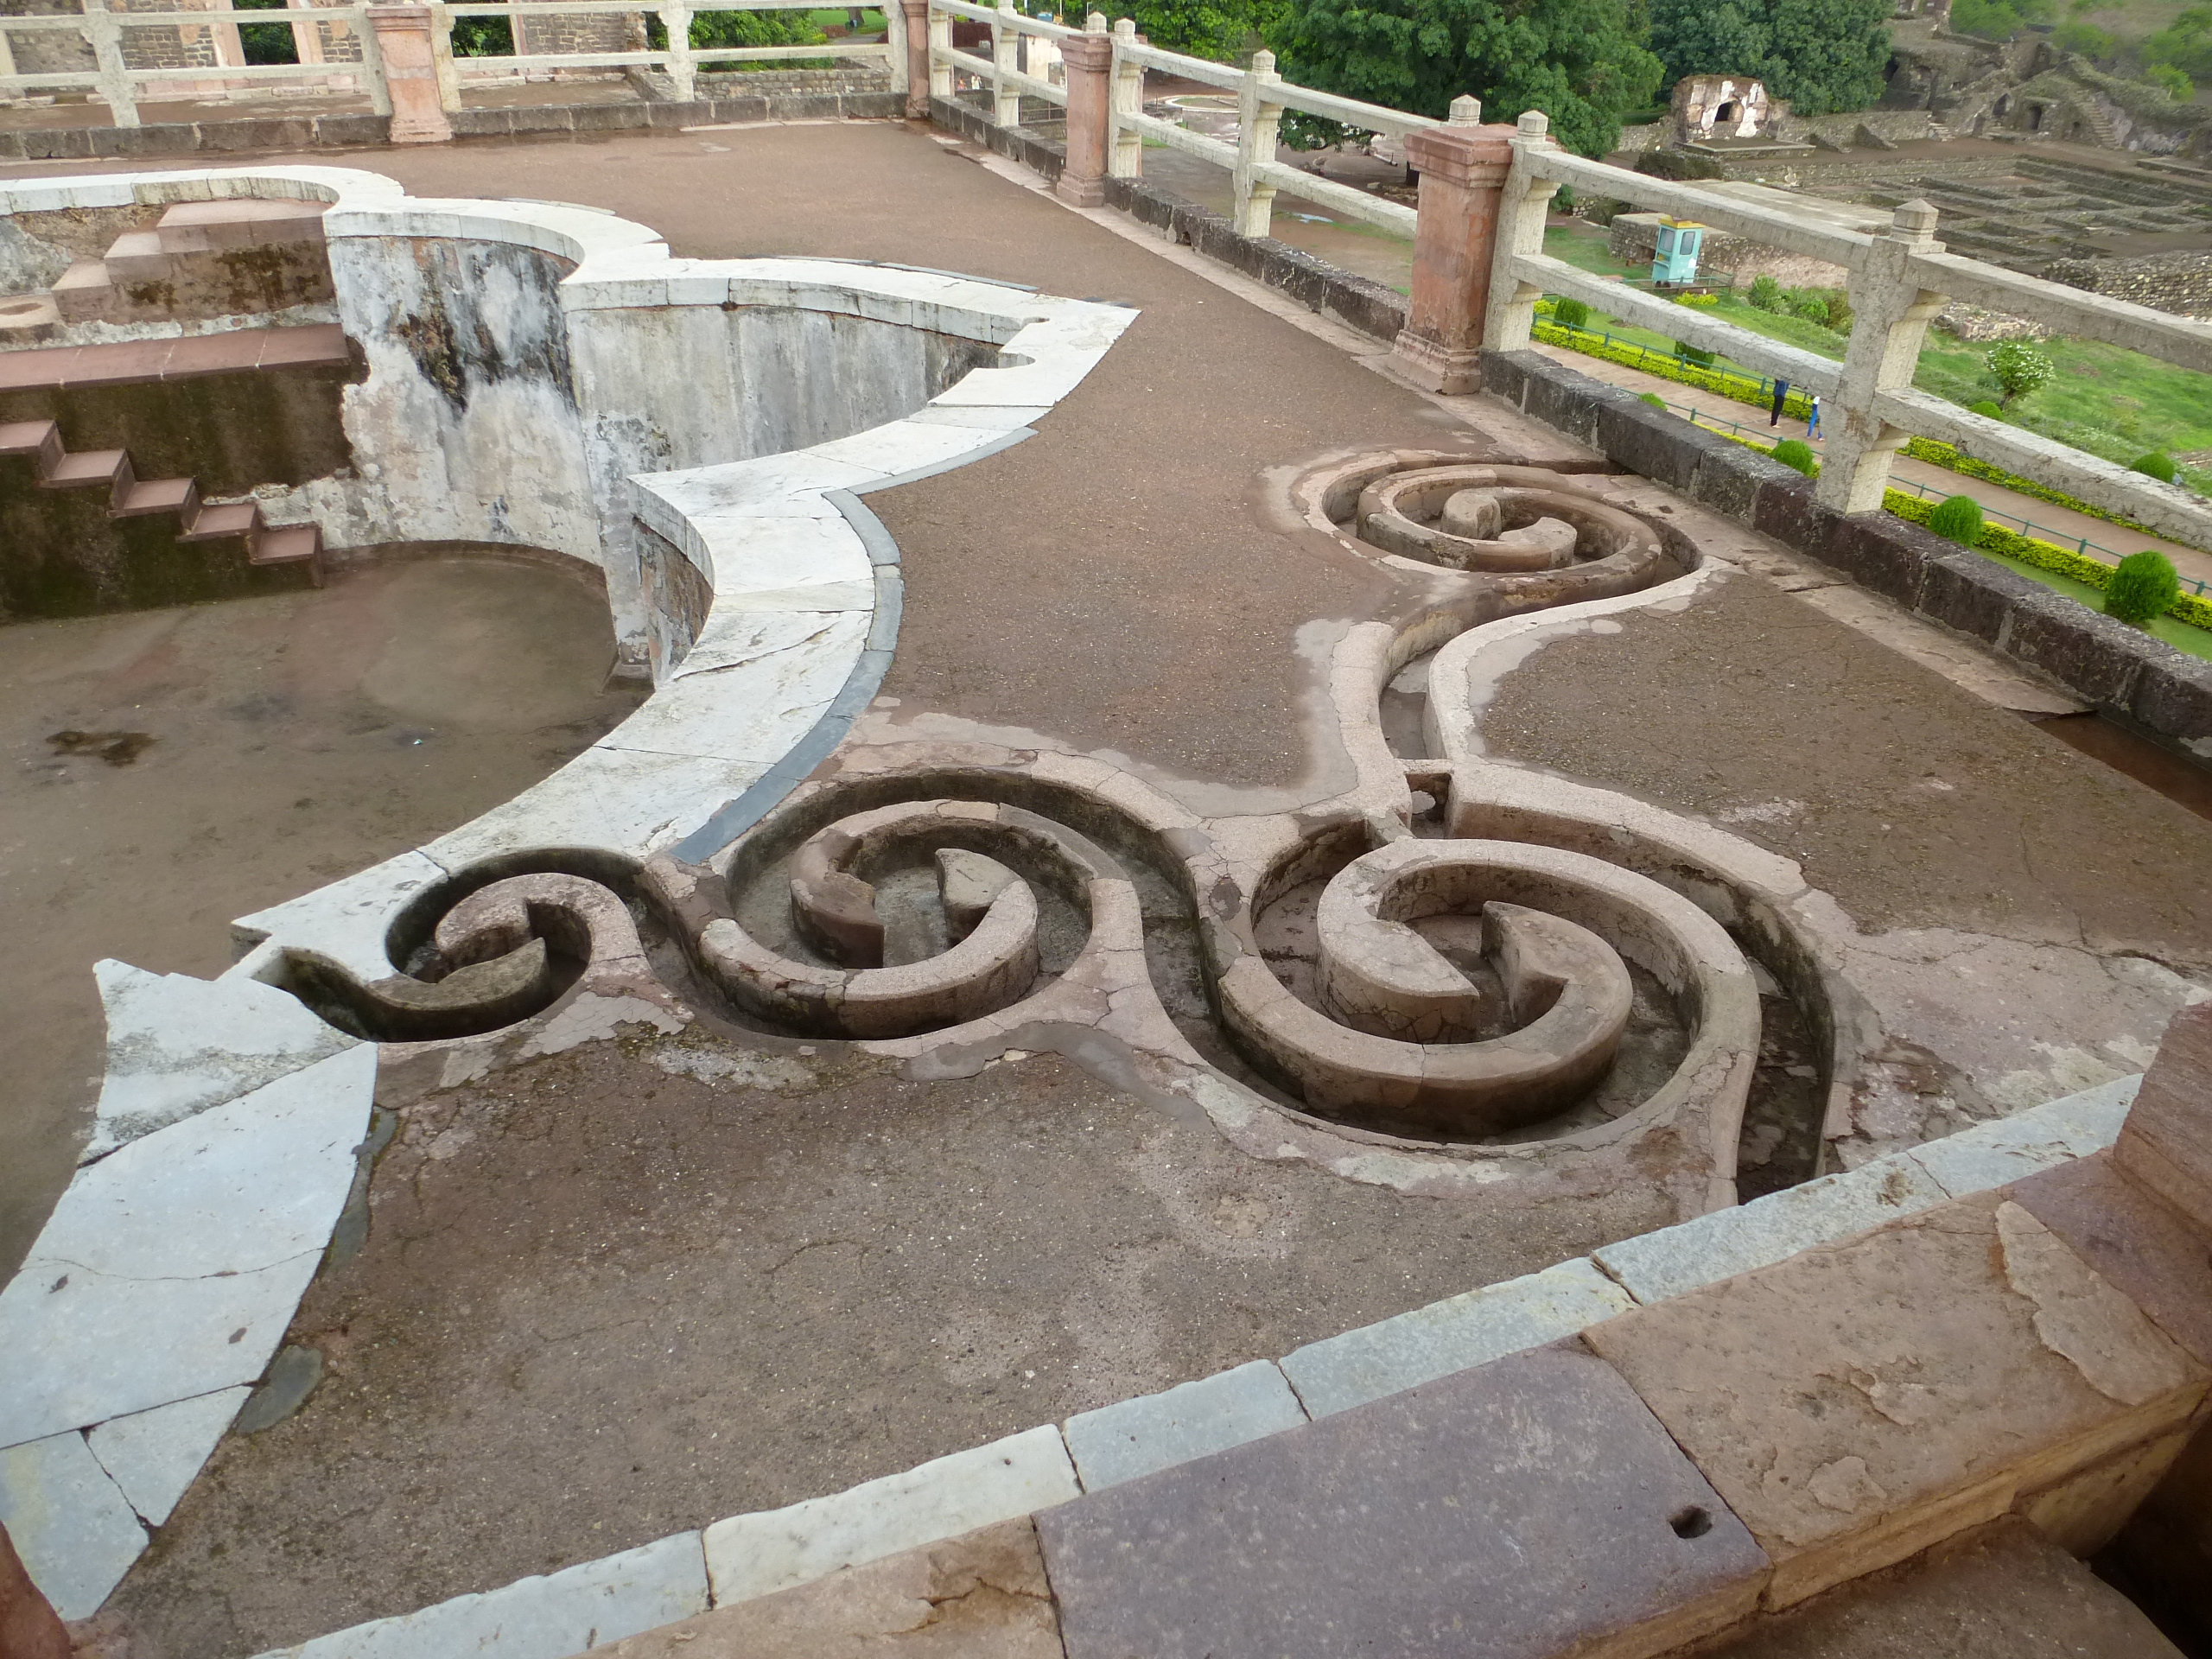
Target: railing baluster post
{"points": [[940, 53], [895, 49], [373, 80], [1256, 122], [1521, 212], [1005, 99], [105, 34], [1891, 312], [1125, 144], [683, 74]]}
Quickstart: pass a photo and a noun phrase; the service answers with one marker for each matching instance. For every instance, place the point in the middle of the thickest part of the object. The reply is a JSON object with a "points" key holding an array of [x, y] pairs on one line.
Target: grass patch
{"points": [[837, 16]]}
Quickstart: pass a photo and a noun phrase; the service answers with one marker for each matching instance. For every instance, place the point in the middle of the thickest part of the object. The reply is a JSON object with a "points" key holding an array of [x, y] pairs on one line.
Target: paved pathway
{"points": [[2050, 522]]}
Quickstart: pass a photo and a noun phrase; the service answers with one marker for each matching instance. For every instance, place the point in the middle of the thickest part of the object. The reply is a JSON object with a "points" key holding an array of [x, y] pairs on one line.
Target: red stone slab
{"points": [[2135, 1239], [1524, 1509]]}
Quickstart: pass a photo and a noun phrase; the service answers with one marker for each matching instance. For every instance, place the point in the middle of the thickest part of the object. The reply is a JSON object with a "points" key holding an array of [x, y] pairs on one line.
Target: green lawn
{"points": [[2198, 642], [2105, 400], [871, 20]]}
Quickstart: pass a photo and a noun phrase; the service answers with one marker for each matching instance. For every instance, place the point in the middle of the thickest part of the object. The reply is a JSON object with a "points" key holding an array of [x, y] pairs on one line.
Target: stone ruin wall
{"points": [[602, 31], [2180, 283]]}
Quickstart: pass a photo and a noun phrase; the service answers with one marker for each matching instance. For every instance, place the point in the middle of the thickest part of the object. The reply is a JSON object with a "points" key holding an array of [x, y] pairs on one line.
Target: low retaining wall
{"points": [[359, 130]]}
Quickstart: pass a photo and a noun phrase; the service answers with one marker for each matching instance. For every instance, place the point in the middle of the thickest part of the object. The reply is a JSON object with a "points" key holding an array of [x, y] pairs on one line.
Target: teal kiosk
{"points": [[1674, 260]]}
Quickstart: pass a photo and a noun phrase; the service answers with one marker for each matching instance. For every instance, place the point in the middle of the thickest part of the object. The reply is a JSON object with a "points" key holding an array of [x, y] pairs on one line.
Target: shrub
{"points": [[2142, 587], [1697, 299], [2020, 368], [2160, 466], [1840, 311], [1690, 353], [1766, 294], [1810, 304], [1655, 400], [1986, 409], [2086, 38], [1958, 519], [1797, 453], [2172, 81], [1570, 313]]}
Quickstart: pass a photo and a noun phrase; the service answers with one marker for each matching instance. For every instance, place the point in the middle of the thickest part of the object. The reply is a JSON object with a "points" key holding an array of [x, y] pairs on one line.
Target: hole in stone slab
{"points": [[1692, 1522]]}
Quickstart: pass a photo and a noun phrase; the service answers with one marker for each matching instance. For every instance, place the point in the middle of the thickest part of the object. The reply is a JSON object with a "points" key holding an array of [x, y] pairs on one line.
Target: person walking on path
{"points": [[1781, 396], [1813, 419]]}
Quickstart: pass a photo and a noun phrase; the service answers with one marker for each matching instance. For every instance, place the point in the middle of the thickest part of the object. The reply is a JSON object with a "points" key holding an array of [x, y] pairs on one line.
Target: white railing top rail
{"points": [[1014, 20]]}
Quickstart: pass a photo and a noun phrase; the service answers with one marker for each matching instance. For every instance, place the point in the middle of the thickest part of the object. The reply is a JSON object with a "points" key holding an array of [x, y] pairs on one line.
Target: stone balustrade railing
{"points": [[377, 27], [1480, 265], [1261, 94]]}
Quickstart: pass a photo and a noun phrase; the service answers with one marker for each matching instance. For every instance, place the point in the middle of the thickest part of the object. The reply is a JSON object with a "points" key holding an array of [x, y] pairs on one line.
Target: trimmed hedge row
{"points": [[1797, 404], [2191, 608], [1946, 456]]}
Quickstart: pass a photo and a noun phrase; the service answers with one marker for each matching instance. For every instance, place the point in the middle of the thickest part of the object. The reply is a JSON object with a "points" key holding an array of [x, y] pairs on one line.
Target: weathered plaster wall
{"points": [[675, 386], [465, 428]]}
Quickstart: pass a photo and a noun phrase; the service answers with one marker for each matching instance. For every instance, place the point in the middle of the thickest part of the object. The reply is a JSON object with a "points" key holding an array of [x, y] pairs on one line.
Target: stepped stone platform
{"points": [[1135, 611]]}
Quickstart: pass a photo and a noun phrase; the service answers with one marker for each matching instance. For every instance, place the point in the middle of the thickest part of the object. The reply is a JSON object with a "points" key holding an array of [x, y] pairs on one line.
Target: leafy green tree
{"points": [[1958, 519], [1227, 31], [1582, 62], [2083, 38], [2020, 368], [2184, 44], [2172, 81], [1822, 55]]}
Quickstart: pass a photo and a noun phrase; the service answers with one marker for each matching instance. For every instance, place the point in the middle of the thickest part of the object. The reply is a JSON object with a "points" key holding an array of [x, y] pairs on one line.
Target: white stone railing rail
{"points": [[1899, 279], [122, 86], [1262, 95]]}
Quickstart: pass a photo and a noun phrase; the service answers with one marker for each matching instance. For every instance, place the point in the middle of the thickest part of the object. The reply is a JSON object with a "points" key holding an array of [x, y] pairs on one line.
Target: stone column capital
{"points": [[1470, 156], [386, 16], [1092, 54]]}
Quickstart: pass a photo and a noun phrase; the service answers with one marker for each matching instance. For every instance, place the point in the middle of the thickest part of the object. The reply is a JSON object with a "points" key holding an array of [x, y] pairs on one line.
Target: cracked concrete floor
{"points": [[2025, 912], [647, 1283]]}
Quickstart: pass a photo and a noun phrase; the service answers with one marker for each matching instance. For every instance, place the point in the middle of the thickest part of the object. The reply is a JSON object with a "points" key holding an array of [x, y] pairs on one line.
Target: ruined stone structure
{"points": [[1707, 107]]}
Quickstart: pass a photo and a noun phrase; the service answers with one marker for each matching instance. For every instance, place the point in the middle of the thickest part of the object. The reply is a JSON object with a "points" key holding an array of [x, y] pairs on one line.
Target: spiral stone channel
{"points": [[990, 859], [1394, 1039]]}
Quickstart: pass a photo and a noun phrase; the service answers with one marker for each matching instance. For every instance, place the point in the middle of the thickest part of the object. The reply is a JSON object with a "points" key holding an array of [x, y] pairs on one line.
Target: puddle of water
{"points": [[2180, 781]]}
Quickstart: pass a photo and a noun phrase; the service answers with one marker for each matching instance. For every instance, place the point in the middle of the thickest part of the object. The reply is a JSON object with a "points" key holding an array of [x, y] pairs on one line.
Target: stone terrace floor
{"points": [[634, 1287]]}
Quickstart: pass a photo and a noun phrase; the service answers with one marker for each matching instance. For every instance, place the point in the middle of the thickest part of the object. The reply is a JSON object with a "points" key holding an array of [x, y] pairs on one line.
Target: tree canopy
{"points": [[1226, 30], [1820, 55], [1582, 62]]}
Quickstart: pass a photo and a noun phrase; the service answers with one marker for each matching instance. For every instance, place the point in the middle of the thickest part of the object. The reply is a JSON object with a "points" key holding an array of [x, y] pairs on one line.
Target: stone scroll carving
{"points": [[1471, 988]]}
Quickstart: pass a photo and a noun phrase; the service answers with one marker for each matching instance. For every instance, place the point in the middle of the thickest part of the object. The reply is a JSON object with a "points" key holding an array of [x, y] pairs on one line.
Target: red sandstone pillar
{"points": [[918, 57], [410, 73], [1462, 168], [1089, 60], [30, 1628]]}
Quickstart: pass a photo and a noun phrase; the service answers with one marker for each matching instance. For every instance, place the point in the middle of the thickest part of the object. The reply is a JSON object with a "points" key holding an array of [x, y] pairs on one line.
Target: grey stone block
{"points": [[548, 1617], [1563, 398], [2172, 697], [1730, 477], [70, 1523], [803, 107], [2082, 648], [2008, 1149], [608, 117], [273, 132], [1883, 554], [1524, 1509], [694, 112], [1136, 1437], [1653, 443], [542, 117], [341, 131], [1393, 1354], [1673, 1260], [1965, 591], [482, 123]]}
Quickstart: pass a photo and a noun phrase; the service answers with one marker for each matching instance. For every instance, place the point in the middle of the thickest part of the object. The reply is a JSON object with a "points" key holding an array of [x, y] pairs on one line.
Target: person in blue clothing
{"points": [[1813, 420]]}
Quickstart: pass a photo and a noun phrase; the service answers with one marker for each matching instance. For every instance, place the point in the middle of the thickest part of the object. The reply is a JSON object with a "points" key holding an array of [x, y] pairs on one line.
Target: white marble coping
{"points": [[759, 1554]]}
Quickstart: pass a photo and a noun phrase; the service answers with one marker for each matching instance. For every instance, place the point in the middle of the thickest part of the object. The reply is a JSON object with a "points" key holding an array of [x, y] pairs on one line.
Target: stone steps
{"points": [[55, 467], [192, 250]]}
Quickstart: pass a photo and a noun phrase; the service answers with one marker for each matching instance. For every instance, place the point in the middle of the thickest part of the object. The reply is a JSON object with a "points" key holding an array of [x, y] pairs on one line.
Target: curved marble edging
{"points": [[231, 1118]]}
